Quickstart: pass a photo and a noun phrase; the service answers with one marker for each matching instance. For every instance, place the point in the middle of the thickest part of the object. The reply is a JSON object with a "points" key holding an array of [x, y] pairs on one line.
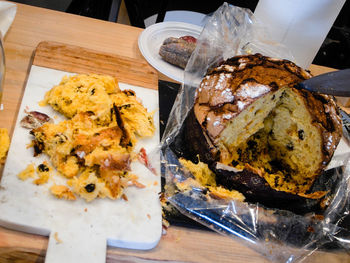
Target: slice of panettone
{"points": [[250, 119]]}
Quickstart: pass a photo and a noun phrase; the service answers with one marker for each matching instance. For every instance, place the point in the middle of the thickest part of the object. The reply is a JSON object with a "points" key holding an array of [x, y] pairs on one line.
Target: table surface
{"points": [[33, 25]]}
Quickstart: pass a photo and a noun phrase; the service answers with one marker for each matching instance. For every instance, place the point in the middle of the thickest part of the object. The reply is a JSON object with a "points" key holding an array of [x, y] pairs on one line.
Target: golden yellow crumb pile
{"points": [[94, 147]]}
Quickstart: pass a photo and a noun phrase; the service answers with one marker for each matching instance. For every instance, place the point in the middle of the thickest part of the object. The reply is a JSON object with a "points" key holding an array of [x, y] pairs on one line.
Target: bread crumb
{"points": [[29, 171], [149, 216], [222, 193], [43, 170], [155, 183], [58, 240], [85, 210], [30, 145], [4, 144], [204, 177], [42, 179], [61, 191]]}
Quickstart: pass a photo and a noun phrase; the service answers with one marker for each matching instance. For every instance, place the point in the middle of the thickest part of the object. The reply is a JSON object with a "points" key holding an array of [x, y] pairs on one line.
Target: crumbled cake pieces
{"points": [[89, 186], [78, 141], [62, 192], [93, 148], [41, 174], [28, 172], [44, 172], [136, 118], [204, 177], [83, 93]]}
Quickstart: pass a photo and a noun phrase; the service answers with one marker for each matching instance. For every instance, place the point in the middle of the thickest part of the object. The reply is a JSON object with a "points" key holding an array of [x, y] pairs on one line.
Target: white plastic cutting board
{"points": [[78, 231]]}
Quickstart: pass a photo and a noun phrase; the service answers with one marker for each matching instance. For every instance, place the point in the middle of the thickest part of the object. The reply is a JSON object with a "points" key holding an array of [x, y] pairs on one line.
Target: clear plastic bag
{"points": [[280, 235]]}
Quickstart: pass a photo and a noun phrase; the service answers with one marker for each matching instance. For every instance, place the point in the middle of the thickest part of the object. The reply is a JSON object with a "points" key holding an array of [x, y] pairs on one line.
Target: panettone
{"points": [[80, 146], [83, 93], [95, 146], [251, 120]]}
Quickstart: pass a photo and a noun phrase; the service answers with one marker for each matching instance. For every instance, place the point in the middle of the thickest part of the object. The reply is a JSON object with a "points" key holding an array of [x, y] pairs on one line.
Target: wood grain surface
{"points": [[33, 25], [82, 60]]}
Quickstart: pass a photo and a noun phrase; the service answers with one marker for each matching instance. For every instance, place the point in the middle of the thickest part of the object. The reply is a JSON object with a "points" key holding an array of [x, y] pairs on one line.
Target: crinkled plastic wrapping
{"points": [[280, 235]]}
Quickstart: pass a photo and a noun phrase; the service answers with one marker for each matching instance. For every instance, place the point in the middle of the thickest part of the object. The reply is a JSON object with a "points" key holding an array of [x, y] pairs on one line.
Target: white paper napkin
{"points": [[7, 14]]}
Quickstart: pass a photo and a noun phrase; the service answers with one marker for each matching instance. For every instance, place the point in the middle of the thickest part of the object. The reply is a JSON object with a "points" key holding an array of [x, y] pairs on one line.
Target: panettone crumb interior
{"points": [[279, 140], [93, 148]]}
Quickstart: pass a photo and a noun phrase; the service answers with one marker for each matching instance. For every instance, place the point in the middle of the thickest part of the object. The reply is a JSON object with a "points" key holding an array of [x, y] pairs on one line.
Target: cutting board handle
{"points": [[76, 246]]}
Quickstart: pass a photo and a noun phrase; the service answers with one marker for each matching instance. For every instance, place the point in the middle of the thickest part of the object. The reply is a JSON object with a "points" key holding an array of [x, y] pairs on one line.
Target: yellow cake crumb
{"points": [[188, 184], [43, 171], [42, 179], [223, 193], [4, 144], [88, 185], [30, 145], [138, 121], [62, 191], [29, 171], [204, 177], [83, 93], [200, 171], [58, 240]]}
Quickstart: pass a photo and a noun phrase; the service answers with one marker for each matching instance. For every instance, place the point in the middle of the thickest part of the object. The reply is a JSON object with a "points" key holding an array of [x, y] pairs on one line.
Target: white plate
{"points": [[152, 38]]}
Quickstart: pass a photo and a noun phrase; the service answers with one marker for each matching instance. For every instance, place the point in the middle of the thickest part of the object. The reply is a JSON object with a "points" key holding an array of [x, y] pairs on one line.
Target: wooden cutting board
{"points": [[79, 231]]}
